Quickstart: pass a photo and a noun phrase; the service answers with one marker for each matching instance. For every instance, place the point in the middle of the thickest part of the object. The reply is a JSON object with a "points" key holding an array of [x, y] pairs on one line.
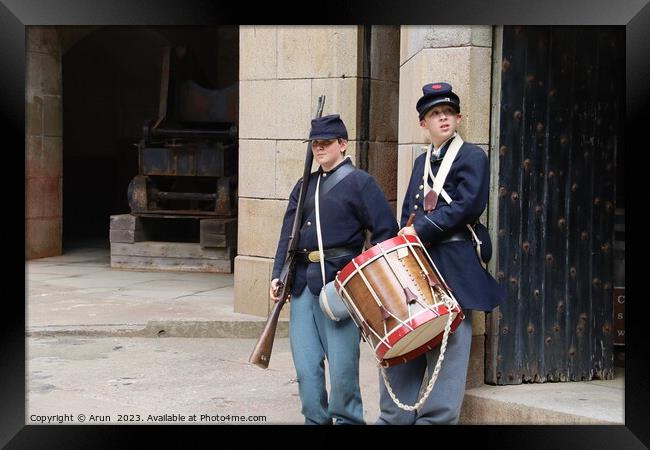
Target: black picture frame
{"points": [[634, 15]]}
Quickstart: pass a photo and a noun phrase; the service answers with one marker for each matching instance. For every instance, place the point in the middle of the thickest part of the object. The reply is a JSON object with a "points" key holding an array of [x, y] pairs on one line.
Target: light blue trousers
{"points": [[314, 337], [443, 404]]}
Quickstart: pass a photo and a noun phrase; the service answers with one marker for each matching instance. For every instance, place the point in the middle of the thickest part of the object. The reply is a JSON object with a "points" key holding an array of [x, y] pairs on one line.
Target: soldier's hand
{"points": [[273, 291], [410, 230]]}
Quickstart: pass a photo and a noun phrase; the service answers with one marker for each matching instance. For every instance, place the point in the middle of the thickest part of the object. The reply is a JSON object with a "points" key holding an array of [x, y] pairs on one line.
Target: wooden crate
{"points": [[135, 245]]}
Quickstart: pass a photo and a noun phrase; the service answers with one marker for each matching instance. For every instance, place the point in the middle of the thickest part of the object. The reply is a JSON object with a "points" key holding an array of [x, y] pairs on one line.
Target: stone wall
{"points": [[461, 56], [43, 143], [283, 71]]}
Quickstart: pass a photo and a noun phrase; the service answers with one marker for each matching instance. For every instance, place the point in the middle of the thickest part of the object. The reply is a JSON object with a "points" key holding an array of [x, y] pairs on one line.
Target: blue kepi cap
{"points": [[327, 127], [434, 94]]}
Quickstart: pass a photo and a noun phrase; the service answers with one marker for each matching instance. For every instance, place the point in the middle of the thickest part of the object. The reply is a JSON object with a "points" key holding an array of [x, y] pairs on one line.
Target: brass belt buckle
{"points": [[313, 256]]}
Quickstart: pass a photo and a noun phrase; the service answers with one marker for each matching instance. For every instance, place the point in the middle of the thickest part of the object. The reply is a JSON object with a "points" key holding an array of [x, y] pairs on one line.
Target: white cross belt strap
{"points": [[430, 200], [439, 181]]}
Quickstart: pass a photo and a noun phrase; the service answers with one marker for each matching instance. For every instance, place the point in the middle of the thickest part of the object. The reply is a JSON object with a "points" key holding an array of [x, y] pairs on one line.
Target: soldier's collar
{"points": [[443, 148], [346, 160]]}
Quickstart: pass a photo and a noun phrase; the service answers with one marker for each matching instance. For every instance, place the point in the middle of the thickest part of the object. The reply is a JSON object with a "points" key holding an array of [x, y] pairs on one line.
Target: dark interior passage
{"points": [[111, 87]]}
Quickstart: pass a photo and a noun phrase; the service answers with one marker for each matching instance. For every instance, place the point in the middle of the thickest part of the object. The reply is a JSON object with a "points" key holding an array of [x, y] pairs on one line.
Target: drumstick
{"points": [[410, 221]]}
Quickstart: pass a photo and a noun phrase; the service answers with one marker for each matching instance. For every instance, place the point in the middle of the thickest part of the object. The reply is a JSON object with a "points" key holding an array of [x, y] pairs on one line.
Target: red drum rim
{"points": [[400, 331], [423, 348], [373, 252]]}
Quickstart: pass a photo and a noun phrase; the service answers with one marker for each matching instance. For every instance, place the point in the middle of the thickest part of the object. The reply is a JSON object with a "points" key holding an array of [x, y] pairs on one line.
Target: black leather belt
{"points": [[461, 235], [314, 255]]}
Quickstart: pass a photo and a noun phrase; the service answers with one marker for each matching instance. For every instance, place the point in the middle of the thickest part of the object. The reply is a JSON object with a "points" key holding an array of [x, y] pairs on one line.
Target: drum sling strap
{"points": [[334, 179], [436, 370]]}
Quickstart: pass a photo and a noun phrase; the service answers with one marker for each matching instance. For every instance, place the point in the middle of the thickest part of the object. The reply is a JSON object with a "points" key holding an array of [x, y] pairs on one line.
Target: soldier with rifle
{"points": [[350, 203]]}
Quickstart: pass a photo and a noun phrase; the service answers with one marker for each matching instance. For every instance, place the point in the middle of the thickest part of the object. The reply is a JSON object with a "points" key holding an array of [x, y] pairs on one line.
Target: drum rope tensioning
{"points": [[398, 299]]}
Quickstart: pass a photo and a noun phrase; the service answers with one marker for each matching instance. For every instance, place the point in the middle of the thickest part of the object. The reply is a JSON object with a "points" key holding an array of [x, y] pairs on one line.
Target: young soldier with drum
{"points": [[443, 212]]}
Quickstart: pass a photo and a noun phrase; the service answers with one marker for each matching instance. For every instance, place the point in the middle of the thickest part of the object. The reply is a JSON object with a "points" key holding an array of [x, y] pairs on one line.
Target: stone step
{"points": [[244, 329], [569, 403]]}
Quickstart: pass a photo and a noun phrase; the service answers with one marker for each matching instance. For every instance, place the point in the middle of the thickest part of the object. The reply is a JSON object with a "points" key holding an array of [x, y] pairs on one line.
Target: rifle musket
{"points": [[261, 354]]}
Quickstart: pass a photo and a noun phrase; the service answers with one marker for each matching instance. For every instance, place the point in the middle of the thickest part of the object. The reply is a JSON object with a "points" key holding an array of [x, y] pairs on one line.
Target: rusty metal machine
{"points": [[188, 157]]}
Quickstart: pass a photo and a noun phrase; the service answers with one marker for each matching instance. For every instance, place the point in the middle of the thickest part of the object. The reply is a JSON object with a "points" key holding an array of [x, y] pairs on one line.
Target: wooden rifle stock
{"points": [[262, 352]]}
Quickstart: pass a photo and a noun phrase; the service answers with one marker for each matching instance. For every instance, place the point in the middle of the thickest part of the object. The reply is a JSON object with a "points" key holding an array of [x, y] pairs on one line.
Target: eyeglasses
{"points": [[323, 144]]}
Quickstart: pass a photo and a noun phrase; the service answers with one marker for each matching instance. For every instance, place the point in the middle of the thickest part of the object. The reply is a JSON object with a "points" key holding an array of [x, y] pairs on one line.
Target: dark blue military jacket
{"points": [[467, 184], [355, 204]]}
